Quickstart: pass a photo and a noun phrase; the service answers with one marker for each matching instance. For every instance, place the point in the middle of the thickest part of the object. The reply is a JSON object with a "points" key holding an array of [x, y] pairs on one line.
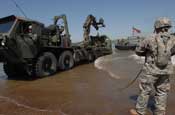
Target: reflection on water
{"points": [[104, 63], [2, 74], [22, 105], [120, 63]]}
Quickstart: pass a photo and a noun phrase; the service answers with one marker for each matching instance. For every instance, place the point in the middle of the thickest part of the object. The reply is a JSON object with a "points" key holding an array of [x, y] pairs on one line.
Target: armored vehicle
{"points": [[128, 44], [27, 47]]}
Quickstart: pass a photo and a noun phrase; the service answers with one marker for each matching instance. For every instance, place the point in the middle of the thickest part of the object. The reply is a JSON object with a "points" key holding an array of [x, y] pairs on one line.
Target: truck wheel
{"points": [[46, 65], [66, 60], [91, 57], [76, 57], [11, 70]]}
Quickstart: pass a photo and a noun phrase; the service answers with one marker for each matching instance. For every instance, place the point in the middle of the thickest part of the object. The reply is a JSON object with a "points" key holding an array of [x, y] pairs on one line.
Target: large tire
{"points": [[76, 57], [66, 60], [13, 70], [91, 57], [46, 65]]}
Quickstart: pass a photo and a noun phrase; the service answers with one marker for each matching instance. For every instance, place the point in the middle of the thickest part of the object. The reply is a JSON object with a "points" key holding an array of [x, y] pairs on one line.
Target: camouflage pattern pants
{"points": [[161, 85]]}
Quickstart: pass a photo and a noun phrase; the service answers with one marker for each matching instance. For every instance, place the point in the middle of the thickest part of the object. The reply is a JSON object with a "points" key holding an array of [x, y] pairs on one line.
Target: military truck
{"points": [[29, 48]]}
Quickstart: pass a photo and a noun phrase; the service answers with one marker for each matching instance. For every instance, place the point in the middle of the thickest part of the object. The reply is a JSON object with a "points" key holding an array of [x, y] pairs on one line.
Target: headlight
{"points": [[3, 41]]}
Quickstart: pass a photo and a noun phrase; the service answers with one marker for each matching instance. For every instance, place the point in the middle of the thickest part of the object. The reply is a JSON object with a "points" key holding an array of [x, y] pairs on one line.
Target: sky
{"points": [[119, 15]]}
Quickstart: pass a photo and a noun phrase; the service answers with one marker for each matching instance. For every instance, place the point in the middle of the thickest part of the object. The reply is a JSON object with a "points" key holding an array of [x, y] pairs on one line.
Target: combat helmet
{"points": [[162, 22]]}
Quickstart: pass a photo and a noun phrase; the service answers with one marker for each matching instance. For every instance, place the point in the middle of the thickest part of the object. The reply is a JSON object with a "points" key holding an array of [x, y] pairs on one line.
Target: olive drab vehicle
{"points": [[29, 48], [93, 46], [129, 43]]}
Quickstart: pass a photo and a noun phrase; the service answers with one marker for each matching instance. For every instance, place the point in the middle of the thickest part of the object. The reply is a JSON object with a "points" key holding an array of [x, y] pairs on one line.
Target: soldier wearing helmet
{"points": [[30, 29], [157, 68], [162, 23]]}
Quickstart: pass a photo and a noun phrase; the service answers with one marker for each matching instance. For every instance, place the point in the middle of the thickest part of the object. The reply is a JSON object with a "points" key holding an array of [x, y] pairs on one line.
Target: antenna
{"points": [[20, 9]]}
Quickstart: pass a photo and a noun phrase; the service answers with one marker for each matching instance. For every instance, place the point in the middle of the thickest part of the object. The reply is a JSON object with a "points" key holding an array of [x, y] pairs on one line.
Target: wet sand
{"points": [[84, 90]]}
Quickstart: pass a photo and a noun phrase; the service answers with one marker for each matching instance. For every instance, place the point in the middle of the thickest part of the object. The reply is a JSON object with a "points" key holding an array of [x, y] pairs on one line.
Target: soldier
{"points": [[30, 29], [157, 69], [31, 34]]}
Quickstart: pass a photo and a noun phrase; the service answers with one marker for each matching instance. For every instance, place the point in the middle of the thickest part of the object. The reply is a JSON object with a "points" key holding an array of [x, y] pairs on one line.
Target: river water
{"points": [[88, 89]]}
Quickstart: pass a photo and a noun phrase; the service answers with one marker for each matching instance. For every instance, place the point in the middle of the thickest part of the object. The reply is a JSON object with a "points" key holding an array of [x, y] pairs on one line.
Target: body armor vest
{"points": [[163, 51]]}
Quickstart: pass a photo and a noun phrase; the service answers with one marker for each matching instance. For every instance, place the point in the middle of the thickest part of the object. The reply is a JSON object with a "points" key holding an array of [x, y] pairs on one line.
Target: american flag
{"points": [[135, 30]]}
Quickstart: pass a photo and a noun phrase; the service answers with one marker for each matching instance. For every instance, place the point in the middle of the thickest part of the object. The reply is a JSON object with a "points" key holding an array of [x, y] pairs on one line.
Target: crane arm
{"points": [[91, 21]]}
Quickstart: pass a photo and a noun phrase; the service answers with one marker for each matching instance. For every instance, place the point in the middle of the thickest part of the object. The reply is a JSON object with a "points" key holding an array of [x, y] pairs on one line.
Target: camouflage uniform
{"points": [[156, 71], [155, 74]]}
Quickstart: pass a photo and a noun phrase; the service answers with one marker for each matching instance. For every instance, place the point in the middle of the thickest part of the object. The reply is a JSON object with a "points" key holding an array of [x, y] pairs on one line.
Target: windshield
{"points": [[5, 26]]}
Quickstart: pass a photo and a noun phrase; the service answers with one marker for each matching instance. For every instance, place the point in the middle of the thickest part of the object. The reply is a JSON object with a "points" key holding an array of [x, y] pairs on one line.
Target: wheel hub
{"points": [[67, 61], [47, 64]]}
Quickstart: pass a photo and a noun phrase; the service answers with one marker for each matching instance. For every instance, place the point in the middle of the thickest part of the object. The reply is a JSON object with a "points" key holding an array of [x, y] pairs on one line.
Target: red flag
{"points": [[136, 30]]}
